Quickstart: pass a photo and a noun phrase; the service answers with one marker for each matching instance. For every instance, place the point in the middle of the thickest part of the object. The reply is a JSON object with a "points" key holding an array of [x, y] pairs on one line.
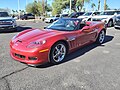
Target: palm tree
{"points": [[80, 4], [83, 1], [92, 6], [13, 12], [43, 6], [105, 4], [98, 5]]}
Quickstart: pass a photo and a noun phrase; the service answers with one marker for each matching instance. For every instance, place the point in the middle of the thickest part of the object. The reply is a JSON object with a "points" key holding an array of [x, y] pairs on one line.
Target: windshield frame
{"points": [[64, 28], [87, 14], [107, 13]]}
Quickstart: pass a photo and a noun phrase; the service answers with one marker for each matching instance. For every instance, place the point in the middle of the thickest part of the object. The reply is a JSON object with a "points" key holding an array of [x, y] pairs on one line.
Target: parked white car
{"points": [[6, 21], [88, 15], [52, 19], [108, 17]]}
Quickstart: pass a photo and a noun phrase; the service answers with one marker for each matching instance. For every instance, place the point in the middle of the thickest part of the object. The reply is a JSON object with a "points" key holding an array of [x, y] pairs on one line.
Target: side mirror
{"points": [[86, 29]]}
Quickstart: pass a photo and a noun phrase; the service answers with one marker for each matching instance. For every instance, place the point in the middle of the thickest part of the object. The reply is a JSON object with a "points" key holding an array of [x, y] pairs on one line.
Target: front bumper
{"points": [[117, 26], [7, 26], [24, 55]]}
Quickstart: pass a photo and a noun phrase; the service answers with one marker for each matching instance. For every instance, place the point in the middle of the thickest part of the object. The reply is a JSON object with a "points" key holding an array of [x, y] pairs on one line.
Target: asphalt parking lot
{"points": [[90, 68]]}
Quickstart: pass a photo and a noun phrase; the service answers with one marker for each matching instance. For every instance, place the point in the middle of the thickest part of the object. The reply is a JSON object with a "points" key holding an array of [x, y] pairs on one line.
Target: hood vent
{"points": [[19, 41]]}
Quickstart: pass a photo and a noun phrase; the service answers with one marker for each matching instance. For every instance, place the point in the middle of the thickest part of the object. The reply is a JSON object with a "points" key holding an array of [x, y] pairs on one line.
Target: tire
{"points": [[116, 28], [51, 21], [58, 53], [101, 37], [110, 23], [89, 19]]}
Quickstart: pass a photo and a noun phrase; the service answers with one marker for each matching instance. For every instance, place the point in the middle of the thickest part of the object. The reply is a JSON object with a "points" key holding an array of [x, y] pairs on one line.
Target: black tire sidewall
{"points": [[97, 41], [51, 53], [111, 24]]}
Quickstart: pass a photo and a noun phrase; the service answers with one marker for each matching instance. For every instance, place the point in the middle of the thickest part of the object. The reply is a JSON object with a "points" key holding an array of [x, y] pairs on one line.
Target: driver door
{"points": [[85, 35]]}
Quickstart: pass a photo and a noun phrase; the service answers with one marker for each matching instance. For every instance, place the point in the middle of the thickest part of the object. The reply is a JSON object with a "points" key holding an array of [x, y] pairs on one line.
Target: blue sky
{"points": [[12, 4]]}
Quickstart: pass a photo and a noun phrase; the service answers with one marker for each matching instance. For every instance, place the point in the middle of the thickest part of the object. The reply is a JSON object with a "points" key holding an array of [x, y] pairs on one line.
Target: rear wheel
{"points": [[101, 37], [58, 53], [51, 21], [110, 23]]}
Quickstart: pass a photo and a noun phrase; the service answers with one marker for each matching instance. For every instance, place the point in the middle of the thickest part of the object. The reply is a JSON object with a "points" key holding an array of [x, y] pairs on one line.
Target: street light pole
{"points": [[19, 9], [70, 6]]}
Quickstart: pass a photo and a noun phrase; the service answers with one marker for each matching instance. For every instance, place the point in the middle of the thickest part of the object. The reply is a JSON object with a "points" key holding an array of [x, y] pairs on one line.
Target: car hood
{"points": [[51, 18], [36, 35], [4, 18], [101, 16]]}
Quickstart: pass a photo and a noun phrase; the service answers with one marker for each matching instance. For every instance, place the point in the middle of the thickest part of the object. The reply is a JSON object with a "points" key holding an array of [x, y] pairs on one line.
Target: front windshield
{"points": [[72, 15], [64, 24], [107, 13], [4, 14], [87, 14]]}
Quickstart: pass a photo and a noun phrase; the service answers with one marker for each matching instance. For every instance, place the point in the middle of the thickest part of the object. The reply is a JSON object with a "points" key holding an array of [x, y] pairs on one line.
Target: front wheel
{"points": [[101, 37], [58, 53], [51, 21]]}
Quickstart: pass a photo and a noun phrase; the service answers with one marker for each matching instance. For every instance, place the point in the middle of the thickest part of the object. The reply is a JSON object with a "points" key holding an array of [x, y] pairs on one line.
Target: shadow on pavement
{"points": [[79, 52], [17, 29]]}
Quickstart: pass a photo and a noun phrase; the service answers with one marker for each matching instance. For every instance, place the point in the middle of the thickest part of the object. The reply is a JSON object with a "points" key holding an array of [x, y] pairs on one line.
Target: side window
{"points": [[29, 14], [118, 12], [97, 13]]}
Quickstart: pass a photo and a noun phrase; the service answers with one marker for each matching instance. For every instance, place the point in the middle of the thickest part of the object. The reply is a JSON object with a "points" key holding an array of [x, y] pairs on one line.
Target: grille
{"points": [[5, 23], [19, 56]]}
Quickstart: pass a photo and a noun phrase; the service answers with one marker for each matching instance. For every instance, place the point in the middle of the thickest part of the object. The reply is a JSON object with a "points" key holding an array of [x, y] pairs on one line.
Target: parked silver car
{"points": [[6, 21], [108, 17]]}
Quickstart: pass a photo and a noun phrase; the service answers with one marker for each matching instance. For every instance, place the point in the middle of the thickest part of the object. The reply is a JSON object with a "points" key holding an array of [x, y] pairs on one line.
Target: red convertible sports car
{"points": [[35, 46]]}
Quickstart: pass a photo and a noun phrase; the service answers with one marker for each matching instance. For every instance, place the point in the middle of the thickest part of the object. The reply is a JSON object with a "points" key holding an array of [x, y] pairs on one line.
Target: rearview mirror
{"points": [[86, 29]]}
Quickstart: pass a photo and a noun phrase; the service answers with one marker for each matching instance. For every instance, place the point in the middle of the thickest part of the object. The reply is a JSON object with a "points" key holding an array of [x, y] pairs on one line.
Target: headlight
{"points": [[36, 44]]}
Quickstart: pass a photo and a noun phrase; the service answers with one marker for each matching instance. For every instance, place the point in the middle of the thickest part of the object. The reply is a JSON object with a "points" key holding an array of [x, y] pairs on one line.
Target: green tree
{"points": [[56, 8], [107, 7], [48, 8], [58, 5], [37, 8], [92, 6], [29, 8], [13, 12], [33, 8], [80, 4], [40, 7]]}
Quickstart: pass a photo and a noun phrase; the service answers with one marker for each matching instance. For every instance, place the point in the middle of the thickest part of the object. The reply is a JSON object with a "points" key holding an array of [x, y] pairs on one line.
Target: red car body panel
{"points": [[19, 46]]}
